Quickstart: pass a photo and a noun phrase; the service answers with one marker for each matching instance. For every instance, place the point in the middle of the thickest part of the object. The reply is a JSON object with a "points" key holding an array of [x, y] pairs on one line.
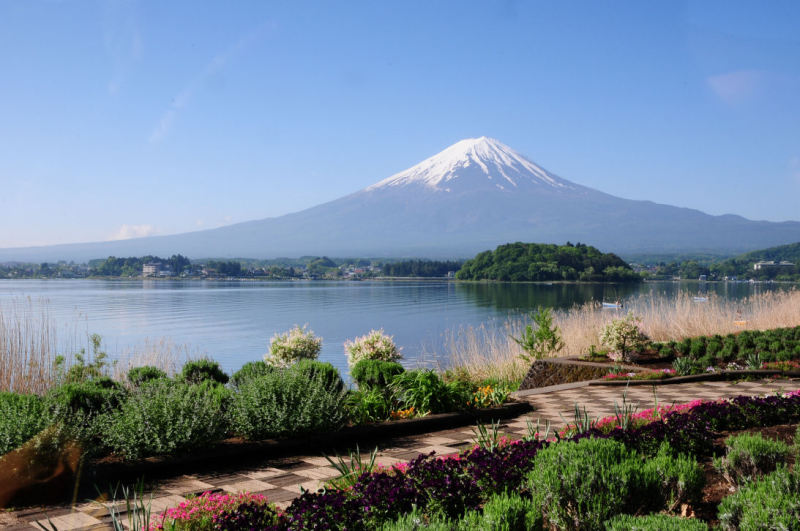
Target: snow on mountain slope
{"points": [[474, 163]]}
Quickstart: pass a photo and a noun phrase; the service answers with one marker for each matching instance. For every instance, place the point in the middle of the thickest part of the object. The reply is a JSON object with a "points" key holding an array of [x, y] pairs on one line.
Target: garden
{"points": [[727, 464], [288, 394]]}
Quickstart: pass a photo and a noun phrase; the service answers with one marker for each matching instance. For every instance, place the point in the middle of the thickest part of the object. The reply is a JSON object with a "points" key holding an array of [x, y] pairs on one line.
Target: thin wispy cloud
{"points": [[122, 40], [126, 232], [217, 63], [737, 87]]}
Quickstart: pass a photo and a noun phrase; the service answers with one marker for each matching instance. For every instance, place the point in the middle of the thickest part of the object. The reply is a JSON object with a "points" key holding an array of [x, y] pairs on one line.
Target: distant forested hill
{"points": [[742, 265], [535, 261]]}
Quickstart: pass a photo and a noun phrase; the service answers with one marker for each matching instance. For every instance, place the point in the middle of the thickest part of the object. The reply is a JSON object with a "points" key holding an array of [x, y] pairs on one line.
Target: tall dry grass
{"points": [[30, 343], [27, 348], [490, 353]]}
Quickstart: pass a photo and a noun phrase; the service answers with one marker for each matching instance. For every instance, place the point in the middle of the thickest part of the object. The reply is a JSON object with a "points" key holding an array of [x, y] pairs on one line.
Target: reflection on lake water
{"points": [[232, 321]]}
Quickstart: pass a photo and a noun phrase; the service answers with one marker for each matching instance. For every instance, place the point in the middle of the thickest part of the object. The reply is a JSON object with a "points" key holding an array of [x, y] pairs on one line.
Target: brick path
{"points": [[281, 480]]}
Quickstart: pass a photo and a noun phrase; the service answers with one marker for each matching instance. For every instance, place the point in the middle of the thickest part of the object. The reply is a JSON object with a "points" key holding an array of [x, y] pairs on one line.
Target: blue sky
{"points": [[133, 118]]}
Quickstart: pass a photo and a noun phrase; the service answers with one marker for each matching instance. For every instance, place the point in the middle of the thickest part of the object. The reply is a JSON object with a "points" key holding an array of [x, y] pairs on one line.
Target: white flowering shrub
{"points": [[289, 347], [624, 338], [374, 346]]}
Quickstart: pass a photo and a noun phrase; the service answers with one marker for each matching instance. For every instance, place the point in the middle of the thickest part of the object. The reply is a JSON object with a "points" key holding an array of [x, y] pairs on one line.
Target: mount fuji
{"points": [[474, 195]]}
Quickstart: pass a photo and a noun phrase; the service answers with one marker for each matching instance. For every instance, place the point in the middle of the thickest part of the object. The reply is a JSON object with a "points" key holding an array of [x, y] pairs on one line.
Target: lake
{"points": [[232, 321]]}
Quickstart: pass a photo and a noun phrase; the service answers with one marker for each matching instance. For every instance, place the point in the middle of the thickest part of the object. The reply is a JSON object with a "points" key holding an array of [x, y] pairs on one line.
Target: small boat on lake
{"points": [[612, 305], [700, 299]]}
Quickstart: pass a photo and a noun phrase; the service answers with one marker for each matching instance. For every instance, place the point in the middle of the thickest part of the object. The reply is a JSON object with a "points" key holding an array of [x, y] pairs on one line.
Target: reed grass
{"points": [[30, 343], [486, 352], [27, 347]]}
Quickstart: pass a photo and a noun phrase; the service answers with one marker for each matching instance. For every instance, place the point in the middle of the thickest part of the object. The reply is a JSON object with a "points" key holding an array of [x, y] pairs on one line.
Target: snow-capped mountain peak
{"points": [[474, 162]]}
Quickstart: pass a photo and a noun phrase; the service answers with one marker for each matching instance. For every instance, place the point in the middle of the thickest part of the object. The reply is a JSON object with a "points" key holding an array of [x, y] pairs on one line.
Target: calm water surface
{"points": [[232, 321]]}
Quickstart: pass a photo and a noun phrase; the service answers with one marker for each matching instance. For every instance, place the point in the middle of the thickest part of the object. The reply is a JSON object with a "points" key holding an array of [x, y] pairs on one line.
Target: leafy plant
{"points": [[772, 498], [139, 375], [351, 469], [625, 412], [84, 367], [203, 370], [753, 360], [488, 438], [320, 371], [624, 338], [426, 392], [583, 484], [371, 405], [289, 347], [543, 340], [533, 432], [683, 366], [250, 370], [582, 422], [137, 508], [369, 373], [678, 478], [749, 456], [286, 402], [21, 417], [376, 345], [166, 417]]}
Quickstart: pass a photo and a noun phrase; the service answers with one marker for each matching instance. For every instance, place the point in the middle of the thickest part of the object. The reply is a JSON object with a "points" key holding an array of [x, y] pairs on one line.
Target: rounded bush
{"points": [[375, 373], [203, 370], [772, 498], [289, 347], [89, 397], [167, 417], [250, 370], [21, 417], [285, 402], [139, 375], [624, 338], [376, 345], [324, 372]]}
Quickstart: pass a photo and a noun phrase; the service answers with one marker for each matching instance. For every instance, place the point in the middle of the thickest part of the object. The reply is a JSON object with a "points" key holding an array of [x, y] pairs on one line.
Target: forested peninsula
{"points": [[517, 262]]}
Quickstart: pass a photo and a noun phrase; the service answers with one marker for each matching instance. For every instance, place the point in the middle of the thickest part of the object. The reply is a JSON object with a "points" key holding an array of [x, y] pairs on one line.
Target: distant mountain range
{"points": [[473, 196]]}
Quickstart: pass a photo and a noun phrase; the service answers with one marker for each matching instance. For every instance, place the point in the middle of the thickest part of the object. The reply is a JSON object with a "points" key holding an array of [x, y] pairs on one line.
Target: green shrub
{"points": [[203, 370], [713, 347], [370, 405], [679, 478], [90, 397], [251, 369], [21, 417], [375, 373], [766, 503], [286, 402], [426, 392], [510, 512], [166, 417], [322, 371], [698, 347], [683, 366], [584, 483], [654, 522], [684, 346], [139, 375], [624, 338], [376, 345], [749, 456], [665, 351], [543, 340], [289, 347]]}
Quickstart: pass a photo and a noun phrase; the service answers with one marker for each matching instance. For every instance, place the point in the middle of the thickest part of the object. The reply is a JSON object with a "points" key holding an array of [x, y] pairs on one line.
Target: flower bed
{"points": [[458, 487]]}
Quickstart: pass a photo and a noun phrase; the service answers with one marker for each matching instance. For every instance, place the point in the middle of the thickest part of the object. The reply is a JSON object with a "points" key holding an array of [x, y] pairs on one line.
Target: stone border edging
{"points": [[101, 472], [708, 377]]}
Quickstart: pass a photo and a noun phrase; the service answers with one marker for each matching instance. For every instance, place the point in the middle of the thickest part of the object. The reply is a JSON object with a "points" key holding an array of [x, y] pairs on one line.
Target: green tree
{"points": [[543, 340]]}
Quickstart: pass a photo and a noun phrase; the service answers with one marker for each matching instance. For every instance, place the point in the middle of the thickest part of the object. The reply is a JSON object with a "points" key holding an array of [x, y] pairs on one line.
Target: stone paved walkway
{"points": [[281, 480]]}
